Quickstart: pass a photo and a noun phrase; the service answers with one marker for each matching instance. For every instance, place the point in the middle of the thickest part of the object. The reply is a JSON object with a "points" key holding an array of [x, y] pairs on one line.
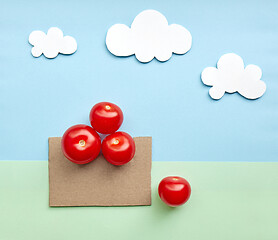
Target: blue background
{"points": [[40, 98]]}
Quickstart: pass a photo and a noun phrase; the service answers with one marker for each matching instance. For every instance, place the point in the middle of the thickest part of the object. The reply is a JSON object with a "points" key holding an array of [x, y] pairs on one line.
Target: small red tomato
{"points": [[118, 148], [81, 144], [174, 191], [106, 118]]}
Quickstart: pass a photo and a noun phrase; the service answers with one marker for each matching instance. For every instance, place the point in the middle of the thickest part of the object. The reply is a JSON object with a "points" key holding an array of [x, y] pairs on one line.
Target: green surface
{"points": [[230, 201]]}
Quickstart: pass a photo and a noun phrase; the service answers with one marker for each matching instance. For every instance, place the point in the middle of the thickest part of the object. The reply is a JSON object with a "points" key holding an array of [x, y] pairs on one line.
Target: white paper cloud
{"points": [[230, 76], [149, 36], [52, 43]]}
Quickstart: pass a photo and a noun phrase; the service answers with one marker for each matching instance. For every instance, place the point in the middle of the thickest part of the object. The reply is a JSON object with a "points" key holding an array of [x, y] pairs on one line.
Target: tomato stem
{"points": [[107, 107], [82, 143]]}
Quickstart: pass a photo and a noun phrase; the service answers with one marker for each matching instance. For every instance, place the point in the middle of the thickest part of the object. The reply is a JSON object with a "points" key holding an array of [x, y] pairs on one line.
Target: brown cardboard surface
{"points": [[100, 183]]}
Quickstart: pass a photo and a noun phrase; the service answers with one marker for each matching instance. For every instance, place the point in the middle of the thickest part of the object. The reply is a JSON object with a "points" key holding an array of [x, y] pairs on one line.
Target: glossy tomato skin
{"points": [[81, 144], [174, 191], [106, 117], [118, 148]]}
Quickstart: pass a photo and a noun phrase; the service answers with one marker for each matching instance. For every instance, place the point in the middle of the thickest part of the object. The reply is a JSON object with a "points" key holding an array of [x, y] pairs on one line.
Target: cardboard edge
{"points": [[100, 205], [48, 162]]}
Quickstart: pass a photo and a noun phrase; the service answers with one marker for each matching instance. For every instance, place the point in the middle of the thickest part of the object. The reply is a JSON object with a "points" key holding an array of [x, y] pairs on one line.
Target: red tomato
{"points": [[106, 117], [174, 191], [118, 148], [81, 144]]}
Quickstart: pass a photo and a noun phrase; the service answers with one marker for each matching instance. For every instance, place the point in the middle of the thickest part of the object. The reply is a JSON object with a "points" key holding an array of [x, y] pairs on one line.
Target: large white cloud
{"points": [[52, 43], [230, 76], [149, 36]]}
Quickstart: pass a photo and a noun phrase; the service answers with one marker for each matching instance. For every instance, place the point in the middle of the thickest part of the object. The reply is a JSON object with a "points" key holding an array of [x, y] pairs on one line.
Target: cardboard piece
{"points": [[230, 76], [52, 43], [100, 183], [149, 36]]}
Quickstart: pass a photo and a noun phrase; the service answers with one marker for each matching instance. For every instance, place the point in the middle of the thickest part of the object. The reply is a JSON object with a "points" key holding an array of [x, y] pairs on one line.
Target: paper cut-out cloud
{"points": [[149, 36], [230, 76], [52, 43]]}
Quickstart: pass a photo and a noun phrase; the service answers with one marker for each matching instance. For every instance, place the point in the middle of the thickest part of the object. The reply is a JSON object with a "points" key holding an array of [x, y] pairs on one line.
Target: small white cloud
{"points": [[230, 76], [149, 36], [52, 43]]}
